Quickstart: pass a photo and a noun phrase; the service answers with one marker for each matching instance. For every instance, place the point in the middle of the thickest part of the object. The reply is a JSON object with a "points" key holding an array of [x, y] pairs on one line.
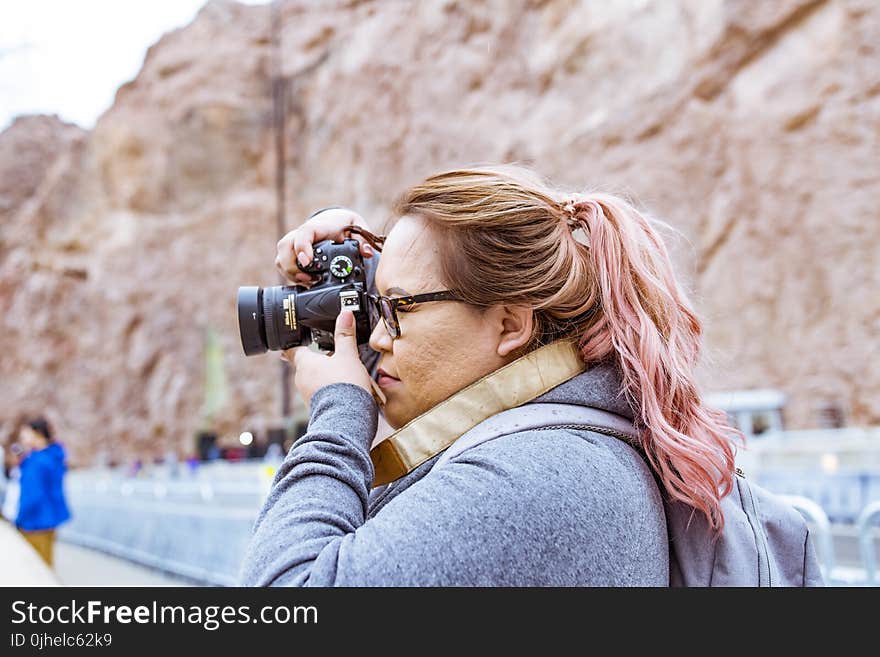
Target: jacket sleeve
{"points": [[314, 528]]}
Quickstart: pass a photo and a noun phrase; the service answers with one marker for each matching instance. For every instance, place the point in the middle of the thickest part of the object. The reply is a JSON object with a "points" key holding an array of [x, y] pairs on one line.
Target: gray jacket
{"points": [[556, 507]]}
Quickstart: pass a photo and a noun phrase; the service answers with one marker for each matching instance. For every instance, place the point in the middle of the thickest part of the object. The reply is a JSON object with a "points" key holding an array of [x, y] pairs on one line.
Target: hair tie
{"points": [[571, 207]]}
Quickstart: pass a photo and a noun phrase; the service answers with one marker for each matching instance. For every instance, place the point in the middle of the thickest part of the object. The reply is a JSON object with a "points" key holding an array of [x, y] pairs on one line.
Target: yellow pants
{"points": [[42, 541]]}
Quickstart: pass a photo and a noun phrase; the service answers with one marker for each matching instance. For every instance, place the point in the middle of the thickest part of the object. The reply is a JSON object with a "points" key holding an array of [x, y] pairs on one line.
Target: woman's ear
{"points": [[515, 325]]}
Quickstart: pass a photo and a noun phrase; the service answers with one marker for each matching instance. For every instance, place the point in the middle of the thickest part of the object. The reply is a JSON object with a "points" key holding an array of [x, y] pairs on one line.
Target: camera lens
{"points": [[278, 334], [267, 318], [250, 320]]}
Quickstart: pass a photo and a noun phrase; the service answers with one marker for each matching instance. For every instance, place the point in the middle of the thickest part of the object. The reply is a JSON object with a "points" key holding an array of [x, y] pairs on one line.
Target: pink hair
{"points": [[648, 322]]}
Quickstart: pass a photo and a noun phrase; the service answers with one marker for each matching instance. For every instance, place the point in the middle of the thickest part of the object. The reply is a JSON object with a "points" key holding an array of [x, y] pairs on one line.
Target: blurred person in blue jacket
{"points": [[42, 507]]}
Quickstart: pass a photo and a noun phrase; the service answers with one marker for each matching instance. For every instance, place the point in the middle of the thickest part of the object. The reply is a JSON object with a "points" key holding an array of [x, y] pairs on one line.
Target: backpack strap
{"points": [[539, 416]]}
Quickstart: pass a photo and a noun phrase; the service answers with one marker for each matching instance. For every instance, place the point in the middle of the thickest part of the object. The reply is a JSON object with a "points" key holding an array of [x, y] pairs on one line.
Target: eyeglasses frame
{"points": [[396, 302]]}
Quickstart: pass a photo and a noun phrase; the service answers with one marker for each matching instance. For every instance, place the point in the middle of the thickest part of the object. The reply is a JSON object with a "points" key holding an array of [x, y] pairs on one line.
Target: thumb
{"points": [[344, 338]]}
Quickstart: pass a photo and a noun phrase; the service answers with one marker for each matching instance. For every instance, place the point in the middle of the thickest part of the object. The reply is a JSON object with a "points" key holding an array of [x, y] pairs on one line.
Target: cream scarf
{"points": [[516, 383]]}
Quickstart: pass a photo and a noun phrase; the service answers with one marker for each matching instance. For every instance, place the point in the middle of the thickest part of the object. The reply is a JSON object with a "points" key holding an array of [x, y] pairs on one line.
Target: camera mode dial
{"points": [[341, 266]]}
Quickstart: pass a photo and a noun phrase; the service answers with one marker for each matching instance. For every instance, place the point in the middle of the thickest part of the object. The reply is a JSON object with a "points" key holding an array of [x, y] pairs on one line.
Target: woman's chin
{"points": [[395, 417], [393, 421]]}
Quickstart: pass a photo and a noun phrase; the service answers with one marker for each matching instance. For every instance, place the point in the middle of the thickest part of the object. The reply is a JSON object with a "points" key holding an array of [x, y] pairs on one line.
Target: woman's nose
{"points": [[380, 339]]}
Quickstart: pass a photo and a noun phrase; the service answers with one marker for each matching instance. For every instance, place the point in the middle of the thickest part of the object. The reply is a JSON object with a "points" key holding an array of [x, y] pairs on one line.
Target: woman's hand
{"points": [[295, 248], [314, 370]]}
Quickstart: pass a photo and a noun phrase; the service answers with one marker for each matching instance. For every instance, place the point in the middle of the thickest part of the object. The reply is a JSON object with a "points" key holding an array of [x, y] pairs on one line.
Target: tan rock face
{"points": [[752, 128]]}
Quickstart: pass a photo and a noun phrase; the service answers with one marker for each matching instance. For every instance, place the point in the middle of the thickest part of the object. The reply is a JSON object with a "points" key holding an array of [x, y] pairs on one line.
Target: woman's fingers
{"points": [[286, 267], [303, 237], [285, 258], [305, 280], [295, 250]]}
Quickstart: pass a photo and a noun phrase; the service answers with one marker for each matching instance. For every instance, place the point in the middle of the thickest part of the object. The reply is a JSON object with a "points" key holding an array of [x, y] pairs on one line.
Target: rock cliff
{"points": [[751, 128]]}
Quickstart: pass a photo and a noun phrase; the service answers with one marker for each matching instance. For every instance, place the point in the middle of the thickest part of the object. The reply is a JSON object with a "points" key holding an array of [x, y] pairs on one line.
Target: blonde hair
{"points": [[592, 266]]}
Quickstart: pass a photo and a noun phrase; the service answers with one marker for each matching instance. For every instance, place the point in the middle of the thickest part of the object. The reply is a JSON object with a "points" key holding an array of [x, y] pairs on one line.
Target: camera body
{"points": [[287, 316]]}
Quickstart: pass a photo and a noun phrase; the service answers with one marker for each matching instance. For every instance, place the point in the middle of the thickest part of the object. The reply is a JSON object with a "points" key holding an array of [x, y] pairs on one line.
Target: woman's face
{"points": [[443, 345], [32, 440]]}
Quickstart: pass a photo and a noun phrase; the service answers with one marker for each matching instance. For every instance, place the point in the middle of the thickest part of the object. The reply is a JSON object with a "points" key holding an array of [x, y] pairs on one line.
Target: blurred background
{"points": [[152, 153]]}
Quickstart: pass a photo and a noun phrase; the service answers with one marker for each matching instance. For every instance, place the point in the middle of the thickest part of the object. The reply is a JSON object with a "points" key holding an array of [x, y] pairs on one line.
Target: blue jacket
{"points": [[41, 503]]}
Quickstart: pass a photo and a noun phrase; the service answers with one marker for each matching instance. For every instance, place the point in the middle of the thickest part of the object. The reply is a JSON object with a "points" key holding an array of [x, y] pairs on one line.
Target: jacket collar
{"points": [[600, 386]]}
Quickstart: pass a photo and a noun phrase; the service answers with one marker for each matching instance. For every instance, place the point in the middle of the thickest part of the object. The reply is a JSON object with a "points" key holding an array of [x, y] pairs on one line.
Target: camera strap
{"points": [[516, 383]]}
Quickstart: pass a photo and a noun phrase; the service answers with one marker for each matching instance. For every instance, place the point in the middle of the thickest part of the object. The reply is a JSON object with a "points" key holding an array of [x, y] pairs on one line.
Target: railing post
{"points": [[815, 514], [866, 541]]}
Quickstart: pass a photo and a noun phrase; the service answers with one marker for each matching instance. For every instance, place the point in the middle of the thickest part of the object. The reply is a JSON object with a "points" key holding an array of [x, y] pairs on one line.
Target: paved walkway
{"points": [[20, 564], [79, 566]]}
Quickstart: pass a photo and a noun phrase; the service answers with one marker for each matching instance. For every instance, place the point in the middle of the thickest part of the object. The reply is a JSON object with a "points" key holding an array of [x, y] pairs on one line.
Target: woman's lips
{"points": [[384, 380]]}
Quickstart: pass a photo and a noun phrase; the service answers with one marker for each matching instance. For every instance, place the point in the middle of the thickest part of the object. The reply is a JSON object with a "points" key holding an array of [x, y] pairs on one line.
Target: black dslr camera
{"points": [[289, 316]]}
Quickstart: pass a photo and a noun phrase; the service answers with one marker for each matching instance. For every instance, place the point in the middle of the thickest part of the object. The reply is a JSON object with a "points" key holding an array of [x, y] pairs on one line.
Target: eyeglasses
{"points": [[386, 307]]}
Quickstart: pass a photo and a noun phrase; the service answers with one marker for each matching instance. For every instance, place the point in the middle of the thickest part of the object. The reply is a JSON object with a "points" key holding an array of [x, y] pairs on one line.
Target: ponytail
{"points": [[647, 321]]}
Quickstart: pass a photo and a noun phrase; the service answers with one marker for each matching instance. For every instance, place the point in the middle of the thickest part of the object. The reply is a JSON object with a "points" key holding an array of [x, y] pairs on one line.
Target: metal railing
{"points": [[196, 528], [814, 514], [866, 541]]}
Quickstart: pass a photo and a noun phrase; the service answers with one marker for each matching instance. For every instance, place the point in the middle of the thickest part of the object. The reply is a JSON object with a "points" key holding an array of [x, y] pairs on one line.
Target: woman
{"points": [[42, 506], [517, 269]]}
